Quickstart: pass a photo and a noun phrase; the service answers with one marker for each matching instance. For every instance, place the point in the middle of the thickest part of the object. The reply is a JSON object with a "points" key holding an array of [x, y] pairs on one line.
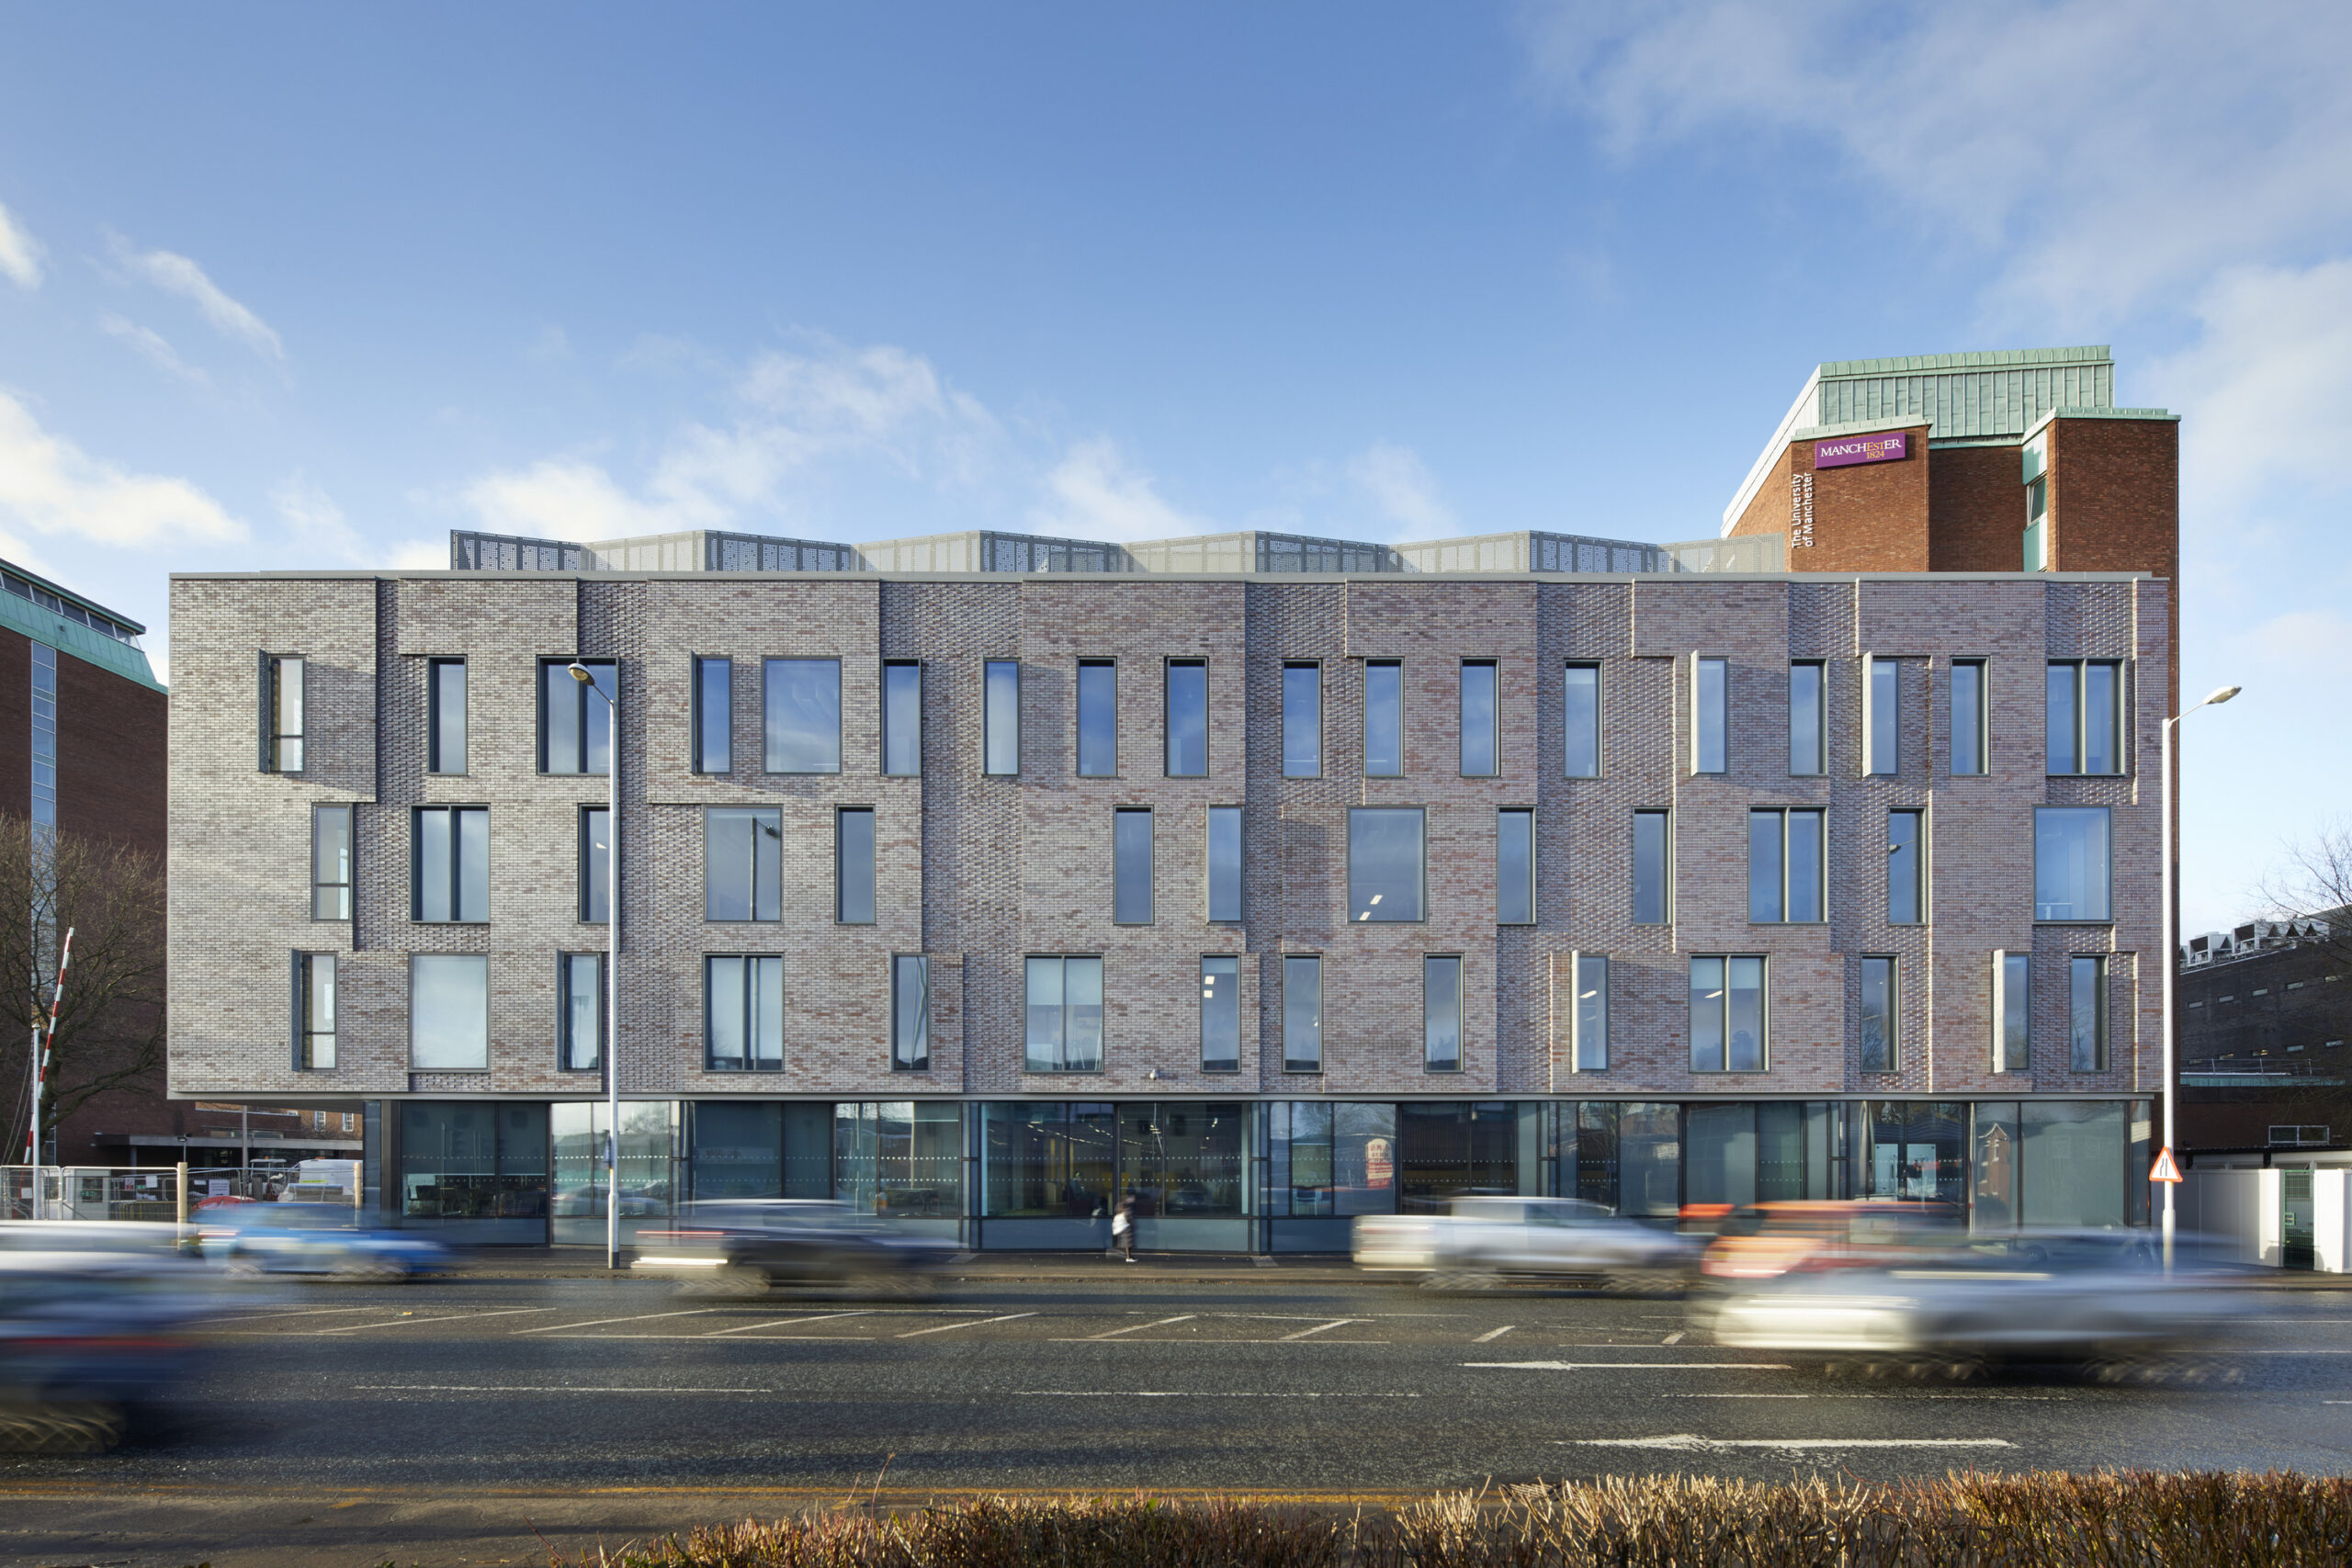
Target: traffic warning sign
{"points": [[2165, 1169]]}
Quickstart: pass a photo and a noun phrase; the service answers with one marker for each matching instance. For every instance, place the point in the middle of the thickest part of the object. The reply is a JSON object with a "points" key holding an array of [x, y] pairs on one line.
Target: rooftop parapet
{"points": [[1251, 550]]}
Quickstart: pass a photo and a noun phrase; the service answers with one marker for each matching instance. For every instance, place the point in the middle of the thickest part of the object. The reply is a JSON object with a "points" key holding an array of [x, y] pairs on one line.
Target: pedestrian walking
{"points": [[1122, 1227]]}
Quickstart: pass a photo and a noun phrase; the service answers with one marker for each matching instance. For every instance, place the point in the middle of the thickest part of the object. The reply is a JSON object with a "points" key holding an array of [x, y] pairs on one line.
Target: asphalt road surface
{"points": [[440, 1422]]}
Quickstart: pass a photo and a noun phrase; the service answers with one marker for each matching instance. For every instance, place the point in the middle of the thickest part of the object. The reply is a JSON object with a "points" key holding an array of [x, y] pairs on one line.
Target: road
{"points": [[440, 1421]]}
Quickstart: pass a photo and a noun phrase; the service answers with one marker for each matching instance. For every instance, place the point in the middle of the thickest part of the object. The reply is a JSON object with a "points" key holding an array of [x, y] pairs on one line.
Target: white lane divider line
{"points": [[1194, 1393], [303, 1312], [641, 1317], [781, 1322], [1308, 1333], [1673, 1338], [1691, 1442], [975, 1323], [1637, 1366], [411, 1322], [1494, 1334], [510, 1388], [1139, 1327]]}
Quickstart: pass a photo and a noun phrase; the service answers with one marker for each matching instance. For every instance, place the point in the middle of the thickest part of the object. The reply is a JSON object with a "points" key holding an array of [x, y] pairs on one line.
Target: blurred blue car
{"points": [[315, 1238], [93, 1344]]}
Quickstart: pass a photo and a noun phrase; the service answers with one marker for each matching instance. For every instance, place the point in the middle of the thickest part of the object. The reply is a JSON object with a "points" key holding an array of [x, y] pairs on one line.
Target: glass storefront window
{"points": [[648, 1163], [1327, 1159], [1649, 1159], [1182, 1160], [477, 1169], [1593, 1150], [1049, 1161], [1993, 1186], [738, 1149], [2074, 1162], [1793, 1152], [1722, 1155], [1911, 1150], [899, 1160], [1448, 1149]]}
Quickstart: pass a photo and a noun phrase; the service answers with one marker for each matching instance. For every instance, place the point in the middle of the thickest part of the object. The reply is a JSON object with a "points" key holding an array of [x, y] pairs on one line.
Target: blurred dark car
{"points": [[93, 1345], [744, 1248], [1763, 1241], [315, 1238]]}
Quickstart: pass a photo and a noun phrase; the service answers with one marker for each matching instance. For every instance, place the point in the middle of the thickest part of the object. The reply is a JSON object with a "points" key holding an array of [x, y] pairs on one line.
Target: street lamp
{"points": [[611, 1033], [2172, 954]]}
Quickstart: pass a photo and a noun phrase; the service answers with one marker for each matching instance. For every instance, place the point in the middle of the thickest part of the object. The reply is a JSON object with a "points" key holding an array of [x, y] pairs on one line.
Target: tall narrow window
{"points": [[1905, 903], [314, 1011], [909, 1013], [1220, 1015], [1384, 718], [1480, 751], [743, 1014], [1969, 736], [1098, 718], [575, 723], [1882, 724], [42, 801], [282, 705], [801, 715], [1785, 866], [580, 1027], [2071, 862], [2012, 1011], [1225, 863], [2086, 1013], [1302, 721], [1806, 724], [1727, 1015], [450, 853], [1188, 718], [595, 864], [714, 716], [446, 715], [449, 1012], [1301, 1013], [1000, 715], [1590, 1020], [2083, 715], [1878, 1015], [1708, 747], [1441, 1014], [1131, 866], [1065, 1015], [1580, 708], [1653, 870], [853, 865], [331, 863], [742, 864], [901, 718], [1515, 867], [1386, 873]]}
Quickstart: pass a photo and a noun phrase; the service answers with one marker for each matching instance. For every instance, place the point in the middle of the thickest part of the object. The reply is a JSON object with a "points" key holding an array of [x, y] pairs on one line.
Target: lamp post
{"points": [[2172, 954], [610, 1041]]}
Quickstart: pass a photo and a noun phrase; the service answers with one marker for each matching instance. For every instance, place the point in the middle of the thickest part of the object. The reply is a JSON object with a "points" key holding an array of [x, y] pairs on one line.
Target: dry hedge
{"points": [[2112, 1519]]}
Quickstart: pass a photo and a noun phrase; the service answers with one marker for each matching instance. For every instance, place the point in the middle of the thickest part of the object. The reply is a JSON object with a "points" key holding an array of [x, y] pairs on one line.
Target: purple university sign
{"points": [[1847, 450]]}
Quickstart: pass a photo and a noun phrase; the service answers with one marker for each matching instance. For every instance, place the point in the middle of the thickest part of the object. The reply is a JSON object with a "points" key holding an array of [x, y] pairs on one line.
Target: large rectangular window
{"points": [[1481, 750], [1882, 715], [449, 1012], [576, 723], [1001, 716], [743, 1014], [445, 725], [2070, 863], [314, 1011], [595, 864], [901, 718], [1065, 1015], [801, 715], [283, 702], [1225, 863], [742, 864], [2087, 1012], [1188, 718], [1302, 721], [450, 853], [1385, 863], [714, 716], [1131, 869], [1878, 1015], [1906, 861], [331, 863], [1590, 1019], [1440, 1014], [909, 1013], [580, 1023], [1581, 708], [1515, 867], [1709, 748], [2085, 716], [1785, 872], [1971, 736], [1220, 1015], [1727, 1015], [1384, 718], [2012, 1011], [853, 865], [1098, 718], [1653, 870], [1807, 721], [1301, 1013]]}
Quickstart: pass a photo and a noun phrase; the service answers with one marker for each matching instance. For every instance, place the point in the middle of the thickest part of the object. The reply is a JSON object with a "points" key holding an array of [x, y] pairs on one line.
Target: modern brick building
{"points": [[980, 879], [2265, 1011]]}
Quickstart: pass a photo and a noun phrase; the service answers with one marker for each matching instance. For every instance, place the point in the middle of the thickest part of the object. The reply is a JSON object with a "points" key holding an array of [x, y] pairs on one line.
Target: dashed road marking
{"points": [[413, 1322], [1691, 1442], [1637, 1365], [1494, 1334], [1139, 1327], [640, 1317], [1306, 1333], [782, 1322], [943, 1327]]}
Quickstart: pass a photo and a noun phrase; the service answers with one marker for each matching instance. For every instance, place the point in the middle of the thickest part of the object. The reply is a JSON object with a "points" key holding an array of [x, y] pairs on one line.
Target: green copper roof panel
{"points": [[46, 625]]}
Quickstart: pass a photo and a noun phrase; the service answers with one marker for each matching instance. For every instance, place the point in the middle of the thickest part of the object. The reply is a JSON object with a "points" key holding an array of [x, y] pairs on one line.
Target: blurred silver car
{"points": [[744, 1247], [1484, 1241]]}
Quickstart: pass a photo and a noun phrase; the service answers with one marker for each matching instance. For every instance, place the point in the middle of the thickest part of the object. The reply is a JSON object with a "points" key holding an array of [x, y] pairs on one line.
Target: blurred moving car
{"points": [[1483, 1241], [315, 1238], [1761, 1241], [92, 1343], [746, 1246]]}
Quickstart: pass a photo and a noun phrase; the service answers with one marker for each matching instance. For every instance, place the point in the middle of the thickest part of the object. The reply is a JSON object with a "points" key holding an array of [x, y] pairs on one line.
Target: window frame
{"points": [[1208, 982], [1980, 720], [751, 975], [434, 716], [841, 915], [1588, 1046], [1526, 813], [566, 1043], [1102, 1042], [2101, 1007], [1877, 725], [989, 736], [2107, 891], [1396, 667], [349, 885], [274, 737], [306, 963], [1077, 720], [1891, 1012], [1569, 722], [1709, 711], [1432, 965], [1787, 874], [1665, 819], [902, 1059], [1209, 866], [1168, 667], [768, 755], [890, 699], [2012, 990], [701, 717], [1494, 740], [2079, 742], [415, 960], [1301, 1065], [1422, 906], [592, 887], [456, 864], [580, 695], [1818, 669], [1724, 988], [759, 814], [1919, 879], [1314, 666], [1122, 818]]}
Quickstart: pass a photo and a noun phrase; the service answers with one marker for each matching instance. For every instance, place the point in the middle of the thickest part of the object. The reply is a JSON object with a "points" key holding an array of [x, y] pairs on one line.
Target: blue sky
{"points": [[298, 286]]}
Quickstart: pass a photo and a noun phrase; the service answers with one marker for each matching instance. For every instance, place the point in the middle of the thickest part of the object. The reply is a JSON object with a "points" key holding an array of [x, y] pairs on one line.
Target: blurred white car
{"points": [[1485, 1240]]}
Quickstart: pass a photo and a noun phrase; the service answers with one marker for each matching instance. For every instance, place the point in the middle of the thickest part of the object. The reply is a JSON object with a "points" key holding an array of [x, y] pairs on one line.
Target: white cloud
{"points": [[153, 347], [570, 499], [1095, 495], [1399, 487], [19, 253], [49, 486], [316, 523], [176, 274]]}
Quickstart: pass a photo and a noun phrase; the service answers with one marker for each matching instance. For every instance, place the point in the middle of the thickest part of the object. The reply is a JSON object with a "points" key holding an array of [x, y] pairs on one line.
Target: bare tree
{"points": [[2314, 881], [110, 1026]]}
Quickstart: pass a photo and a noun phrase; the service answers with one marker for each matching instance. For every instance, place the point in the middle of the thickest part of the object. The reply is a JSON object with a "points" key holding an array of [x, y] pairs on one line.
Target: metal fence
{"points": [[146, 1192]]}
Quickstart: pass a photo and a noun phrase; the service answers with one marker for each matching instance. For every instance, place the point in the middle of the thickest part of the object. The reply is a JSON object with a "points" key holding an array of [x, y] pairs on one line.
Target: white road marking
{"points": [[1494, 1334], [1638, 1366], [302, 1312], [1139, 1327], [1189, 1394], [976, 1323], [1335, 1322], [509, 1388], [1673, 1338], [781, 1322], [409, 1322], [1286, 1340], [641, 1317], [1689, 1442]]}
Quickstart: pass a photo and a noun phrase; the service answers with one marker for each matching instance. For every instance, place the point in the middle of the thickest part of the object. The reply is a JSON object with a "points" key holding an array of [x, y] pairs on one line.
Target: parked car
{"points": [[315, 1238], [1485, 1240], [745, 1248], [93, 1344]]}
